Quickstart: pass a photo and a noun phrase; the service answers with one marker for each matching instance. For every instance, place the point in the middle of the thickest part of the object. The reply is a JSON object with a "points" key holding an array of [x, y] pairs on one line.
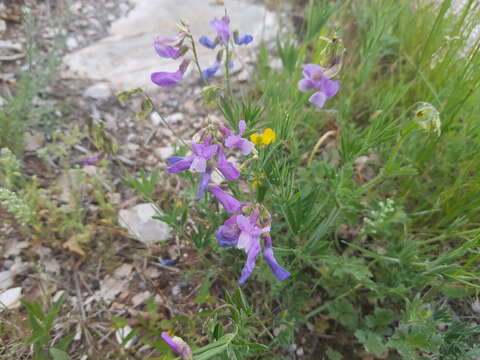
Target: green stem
{"points": [[195, 59], [227, 70]]}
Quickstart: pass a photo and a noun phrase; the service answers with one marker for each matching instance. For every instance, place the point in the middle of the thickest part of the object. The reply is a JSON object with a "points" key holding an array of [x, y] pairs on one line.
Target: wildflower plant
{"points": [[282, 181]]}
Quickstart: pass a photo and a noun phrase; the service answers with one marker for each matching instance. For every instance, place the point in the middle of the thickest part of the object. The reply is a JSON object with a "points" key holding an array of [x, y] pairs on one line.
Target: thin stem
{"points": [[195, 59], [227, 70]]}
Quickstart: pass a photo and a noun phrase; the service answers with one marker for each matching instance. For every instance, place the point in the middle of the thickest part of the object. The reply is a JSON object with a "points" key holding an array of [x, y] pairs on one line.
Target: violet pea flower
{"points": [[196, 162], [221, 26], [314, 79], [229, 203], [245, 233], [202, 153], [178, 346], [227, 234], [165, 47], [205, 41], [269, 257], [92, 160], [204, 181], [237, 141], [212, 70], [242, 40], [227, 169], [169, 79], [249, 240]]}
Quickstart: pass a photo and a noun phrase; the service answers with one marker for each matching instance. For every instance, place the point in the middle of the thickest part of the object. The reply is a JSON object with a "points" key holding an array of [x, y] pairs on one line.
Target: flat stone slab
{"points": [[139, 222], [126, 58]]}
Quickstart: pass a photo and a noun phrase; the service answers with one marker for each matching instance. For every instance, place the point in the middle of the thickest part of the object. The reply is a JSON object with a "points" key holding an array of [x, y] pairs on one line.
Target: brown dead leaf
{"points": [[73, 245]]}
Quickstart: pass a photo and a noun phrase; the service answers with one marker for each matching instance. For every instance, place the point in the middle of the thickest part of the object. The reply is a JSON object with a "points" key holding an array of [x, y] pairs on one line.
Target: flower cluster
{"points": [[244, 230], [249, 224], [224, 35], [175, 48], [171, 48], [207, 156]]}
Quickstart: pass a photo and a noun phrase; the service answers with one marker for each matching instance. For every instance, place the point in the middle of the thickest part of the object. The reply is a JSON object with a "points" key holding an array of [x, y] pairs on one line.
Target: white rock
{"points": [[476, 306], [164, 152], [6, 280], [98, 91], [71, 43], [122, 333], [176, 290], [139, 223], [2, 102], [155, 118], [10, 299], [175, 117], [126, 58]]}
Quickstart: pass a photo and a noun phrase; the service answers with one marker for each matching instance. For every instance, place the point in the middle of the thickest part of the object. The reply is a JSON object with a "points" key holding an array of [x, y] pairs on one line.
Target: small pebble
{"points": [[176, 290]]}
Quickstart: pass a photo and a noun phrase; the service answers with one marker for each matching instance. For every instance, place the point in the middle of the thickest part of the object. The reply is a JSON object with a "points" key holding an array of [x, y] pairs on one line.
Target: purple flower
{"points": [[242, 40], [169, 48], [230, 204], [178, 346], [92, 160], [269, 257], [167, 79], [179, 163], [250, 231], [252, 253], [222, 28], [236, 141], [173, 159], [202, 153], [211, 71], [196, 162], [314, 79], [245, 233], [227, 234], [204, 180], [226, 167], [205, 41]]}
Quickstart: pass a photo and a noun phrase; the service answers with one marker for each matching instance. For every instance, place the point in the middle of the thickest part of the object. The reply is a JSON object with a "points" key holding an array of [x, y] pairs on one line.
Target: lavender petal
{"points": [[205, 41], [249, 266], [318, 99]]}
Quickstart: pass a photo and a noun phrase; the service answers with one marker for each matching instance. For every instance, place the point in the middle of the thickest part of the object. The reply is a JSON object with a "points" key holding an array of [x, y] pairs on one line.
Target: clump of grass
{"points": [[41, 69]]}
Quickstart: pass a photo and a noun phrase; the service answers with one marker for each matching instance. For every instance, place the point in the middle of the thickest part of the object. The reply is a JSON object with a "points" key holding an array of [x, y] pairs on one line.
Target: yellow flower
{"points": [[266, 137], [257, 181]]}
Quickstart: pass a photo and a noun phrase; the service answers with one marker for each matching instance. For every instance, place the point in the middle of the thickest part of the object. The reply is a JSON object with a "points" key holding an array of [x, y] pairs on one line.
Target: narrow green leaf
{"points": [[58, 354]]}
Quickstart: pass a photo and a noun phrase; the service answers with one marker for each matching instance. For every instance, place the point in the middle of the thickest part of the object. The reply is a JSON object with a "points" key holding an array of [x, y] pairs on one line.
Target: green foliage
{"points": [[41, 324], [144, 185], [19, 112], [374, 198]]}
